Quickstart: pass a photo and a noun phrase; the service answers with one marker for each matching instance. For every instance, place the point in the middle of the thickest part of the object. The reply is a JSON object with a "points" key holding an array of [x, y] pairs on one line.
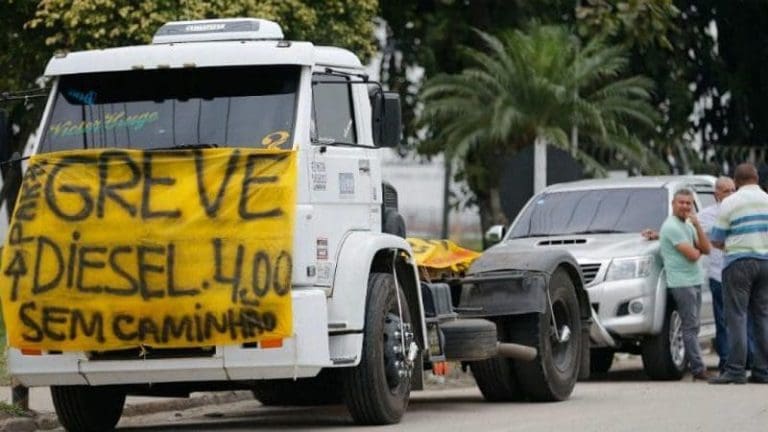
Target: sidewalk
{"points": [[40, 399], [45, 418]]}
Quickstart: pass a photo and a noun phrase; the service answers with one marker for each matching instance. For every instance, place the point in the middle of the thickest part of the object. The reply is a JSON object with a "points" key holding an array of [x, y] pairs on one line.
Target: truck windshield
{"points": [[251, 106], [593, 211]]}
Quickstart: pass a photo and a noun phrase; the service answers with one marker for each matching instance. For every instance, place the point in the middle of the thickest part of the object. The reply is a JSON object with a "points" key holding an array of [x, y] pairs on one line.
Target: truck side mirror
{"points": [[392, 127], [495, 234], [386, 118]]}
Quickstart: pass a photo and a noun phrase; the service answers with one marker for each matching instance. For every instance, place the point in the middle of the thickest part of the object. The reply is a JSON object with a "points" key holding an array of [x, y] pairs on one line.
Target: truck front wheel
{"points": [[88, 408], [376, 391]]}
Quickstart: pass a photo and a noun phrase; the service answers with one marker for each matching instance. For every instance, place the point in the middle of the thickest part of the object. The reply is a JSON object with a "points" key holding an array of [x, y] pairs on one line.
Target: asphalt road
{"points": [[623, 400]]}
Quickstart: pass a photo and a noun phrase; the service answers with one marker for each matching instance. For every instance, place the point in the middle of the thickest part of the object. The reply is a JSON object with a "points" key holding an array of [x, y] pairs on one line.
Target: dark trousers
{"points": [[721, 332], [746, 293]]}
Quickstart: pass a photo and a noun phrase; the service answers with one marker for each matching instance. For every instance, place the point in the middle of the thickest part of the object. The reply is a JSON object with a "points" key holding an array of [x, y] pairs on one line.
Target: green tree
{"points": [[535, 85], [34, 30], [88, 24]]}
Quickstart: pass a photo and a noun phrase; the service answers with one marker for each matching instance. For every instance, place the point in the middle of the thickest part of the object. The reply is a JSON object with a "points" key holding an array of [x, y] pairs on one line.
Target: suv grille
{"points": [[589, 271]]}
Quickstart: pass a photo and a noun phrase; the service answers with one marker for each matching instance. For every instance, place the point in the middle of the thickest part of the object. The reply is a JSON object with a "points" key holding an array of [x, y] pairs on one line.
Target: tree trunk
{"points": [[491, 212], [539, 165]]}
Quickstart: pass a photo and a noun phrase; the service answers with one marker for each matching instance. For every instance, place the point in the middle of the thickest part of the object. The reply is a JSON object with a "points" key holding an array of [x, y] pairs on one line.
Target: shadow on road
{"points": [[619, 376], [259, 418]]}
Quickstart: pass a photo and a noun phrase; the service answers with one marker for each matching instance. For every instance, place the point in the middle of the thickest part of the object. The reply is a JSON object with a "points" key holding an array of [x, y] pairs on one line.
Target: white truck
{"points": [[360, 326]]}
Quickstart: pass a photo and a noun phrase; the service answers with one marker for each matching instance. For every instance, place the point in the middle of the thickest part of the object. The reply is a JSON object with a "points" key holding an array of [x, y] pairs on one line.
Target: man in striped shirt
{"points": [[742, 231]]}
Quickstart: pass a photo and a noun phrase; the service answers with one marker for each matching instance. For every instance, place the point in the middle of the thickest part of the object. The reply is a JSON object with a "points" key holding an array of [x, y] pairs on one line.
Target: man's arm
{"points": [[689, 251], [702, 240]]}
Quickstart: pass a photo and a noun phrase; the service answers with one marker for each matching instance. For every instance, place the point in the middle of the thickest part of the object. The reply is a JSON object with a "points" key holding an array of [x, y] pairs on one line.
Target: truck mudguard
{"points": [[529, 270], [360, 252]]}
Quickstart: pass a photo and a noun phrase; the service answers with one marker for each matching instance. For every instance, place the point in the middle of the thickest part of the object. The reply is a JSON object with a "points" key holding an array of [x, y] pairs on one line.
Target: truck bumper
{"points": [[302, 355]]}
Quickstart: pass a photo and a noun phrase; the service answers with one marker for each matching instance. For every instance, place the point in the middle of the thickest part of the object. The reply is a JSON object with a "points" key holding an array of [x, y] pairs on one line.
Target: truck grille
{"points": [[590, 272], [151, 353]]}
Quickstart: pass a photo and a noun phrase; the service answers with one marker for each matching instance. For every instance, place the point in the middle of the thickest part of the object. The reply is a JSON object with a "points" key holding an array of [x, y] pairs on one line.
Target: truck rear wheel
{"points": [[88, 408], [553, 374], [376, 391], [664, 353]]}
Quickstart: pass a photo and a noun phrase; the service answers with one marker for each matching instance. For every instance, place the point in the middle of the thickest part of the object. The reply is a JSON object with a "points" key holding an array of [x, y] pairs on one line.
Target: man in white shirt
{"points": [[724, 186]]}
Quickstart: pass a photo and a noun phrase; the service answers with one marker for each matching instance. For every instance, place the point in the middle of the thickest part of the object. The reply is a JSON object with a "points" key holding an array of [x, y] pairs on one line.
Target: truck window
{"points": [[332, 112], [593, 211], [251, 106]]}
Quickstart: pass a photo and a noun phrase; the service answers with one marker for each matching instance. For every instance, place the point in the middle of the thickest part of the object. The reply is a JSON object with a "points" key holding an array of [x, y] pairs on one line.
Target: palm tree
{"points": [[535, 86]]}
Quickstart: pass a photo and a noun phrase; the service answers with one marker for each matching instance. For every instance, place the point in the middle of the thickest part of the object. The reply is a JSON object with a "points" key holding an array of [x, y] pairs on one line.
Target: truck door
{"points": [[344, 182]]}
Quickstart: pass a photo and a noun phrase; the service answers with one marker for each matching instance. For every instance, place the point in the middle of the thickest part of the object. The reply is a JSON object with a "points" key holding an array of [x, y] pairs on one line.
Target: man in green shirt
{"points": [[683, 242]]}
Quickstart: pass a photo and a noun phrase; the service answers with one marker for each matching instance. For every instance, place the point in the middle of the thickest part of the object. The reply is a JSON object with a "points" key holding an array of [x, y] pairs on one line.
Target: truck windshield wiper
{"points": [[188, 146], [334, 143]]}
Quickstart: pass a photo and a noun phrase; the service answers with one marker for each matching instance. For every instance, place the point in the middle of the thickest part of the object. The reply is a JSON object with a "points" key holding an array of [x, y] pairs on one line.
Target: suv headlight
{"points": [[629, 268]]}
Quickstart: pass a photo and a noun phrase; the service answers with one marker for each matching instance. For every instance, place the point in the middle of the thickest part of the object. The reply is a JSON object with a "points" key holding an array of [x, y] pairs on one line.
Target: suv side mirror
{"points": [[495, 234], [386, 118]]}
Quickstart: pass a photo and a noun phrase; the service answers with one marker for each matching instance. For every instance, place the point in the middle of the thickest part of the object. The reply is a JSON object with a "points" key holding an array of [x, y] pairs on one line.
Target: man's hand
{"points": [[649, 234], [694, 219]]}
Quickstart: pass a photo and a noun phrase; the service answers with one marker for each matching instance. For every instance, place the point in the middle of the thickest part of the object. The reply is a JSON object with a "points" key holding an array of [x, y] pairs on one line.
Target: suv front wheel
{"points": [[664, 353]]}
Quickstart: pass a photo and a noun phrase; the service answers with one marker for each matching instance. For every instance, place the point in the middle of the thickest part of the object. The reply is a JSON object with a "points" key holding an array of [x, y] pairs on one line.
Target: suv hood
{"points": [[589, 247]]}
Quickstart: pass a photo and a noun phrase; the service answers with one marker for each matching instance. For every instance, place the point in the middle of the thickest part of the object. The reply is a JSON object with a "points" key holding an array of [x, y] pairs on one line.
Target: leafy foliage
{"points": [[35, 29], [88, 24], [535, 85]]}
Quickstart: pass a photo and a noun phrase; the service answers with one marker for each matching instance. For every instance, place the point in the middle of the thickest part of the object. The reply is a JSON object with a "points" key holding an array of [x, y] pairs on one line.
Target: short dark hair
{"points": [[682, 191], [745, 173]]}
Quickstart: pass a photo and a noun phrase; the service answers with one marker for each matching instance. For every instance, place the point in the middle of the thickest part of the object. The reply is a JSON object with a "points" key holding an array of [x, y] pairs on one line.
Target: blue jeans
{"points": [[721, 332]]}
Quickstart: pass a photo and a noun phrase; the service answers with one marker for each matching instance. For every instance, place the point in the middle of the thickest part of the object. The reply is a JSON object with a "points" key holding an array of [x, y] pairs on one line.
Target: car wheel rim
{"points": [[676, 346], [562, 352]]}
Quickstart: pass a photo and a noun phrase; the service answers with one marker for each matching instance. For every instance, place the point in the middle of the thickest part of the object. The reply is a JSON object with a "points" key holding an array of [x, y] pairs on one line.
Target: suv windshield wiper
{"points": [[597, 231], [535, 235], [593, 231]]}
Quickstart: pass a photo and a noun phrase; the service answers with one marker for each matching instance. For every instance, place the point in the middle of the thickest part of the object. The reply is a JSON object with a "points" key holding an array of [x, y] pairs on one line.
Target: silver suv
{"points": [[599, 222]]}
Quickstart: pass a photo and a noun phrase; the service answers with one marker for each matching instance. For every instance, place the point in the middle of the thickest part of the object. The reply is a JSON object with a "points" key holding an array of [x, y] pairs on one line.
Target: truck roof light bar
{"points": [[218, 30]]}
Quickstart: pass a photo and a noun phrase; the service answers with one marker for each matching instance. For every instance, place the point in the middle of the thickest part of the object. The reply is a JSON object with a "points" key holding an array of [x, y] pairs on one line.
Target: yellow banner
{"points": [[441, 255], [120, 248]]}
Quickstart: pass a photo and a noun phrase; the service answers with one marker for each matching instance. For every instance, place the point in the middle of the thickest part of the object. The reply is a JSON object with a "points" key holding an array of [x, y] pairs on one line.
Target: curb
{"points": [[49, 421]]}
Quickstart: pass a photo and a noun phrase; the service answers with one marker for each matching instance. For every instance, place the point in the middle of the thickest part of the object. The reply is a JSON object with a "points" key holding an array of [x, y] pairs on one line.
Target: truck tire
{"points": [[469, 339], [495, 377], [553, 374], [664, 354], [377, 390], [88, 408], [324, 389], [601, 359]]}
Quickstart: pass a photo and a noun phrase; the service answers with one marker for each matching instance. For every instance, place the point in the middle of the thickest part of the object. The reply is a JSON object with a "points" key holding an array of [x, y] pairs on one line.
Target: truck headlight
{"points": [[629, 268]]}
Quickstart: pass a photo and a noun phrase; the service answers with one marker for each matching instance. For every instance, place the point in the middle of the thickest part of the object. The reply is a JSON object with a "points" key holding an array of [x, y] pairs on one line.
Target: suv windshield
{"points": [[251, 106], [593, 211]]}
